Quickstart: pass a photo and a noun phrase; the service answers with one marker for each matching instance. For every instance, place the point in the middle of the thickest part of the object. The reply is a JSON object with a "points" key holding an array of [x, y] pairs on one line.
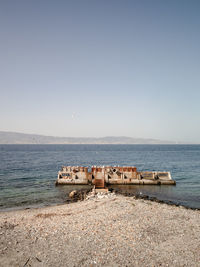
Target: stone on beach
{"points": [[72, 193], [104, 230]]}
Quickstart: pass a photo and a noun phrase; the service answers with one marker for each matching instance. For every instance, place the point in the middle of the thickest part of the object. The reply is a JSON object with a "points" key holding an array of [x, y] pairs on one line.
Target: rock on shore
{"points": [[101, 231]]}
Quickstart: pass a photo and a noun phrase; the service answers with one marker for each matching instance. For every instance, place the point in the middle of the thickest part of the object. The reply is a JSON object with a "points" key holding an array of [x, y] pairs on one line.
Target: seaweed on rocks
{"points": [[80, 195], [151, 198]]}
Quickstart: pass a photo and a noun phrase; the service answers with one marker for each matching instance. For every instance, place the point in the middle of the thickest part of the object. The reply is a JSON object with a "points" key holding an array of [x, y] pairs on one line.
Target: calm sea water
{"points": [[28, 172]]}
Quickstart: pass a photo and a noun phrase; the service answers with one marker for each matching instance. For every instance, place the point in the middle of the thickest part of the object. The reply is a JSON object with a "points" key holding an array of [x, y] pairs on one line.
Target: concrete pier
{"points": [[100, 176]]}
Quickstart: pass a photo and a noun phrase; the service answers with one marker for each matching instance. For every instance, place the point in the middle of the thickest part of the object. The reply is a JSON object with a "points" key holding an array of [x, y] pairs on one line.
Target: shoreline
{"points": [[104, 230], [116, 191], [157, 200]]}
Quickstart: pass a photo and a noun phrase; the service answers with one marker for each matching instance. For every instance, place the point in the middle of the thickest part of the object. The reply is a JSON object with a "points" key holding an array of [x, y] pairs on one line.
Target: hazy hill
{"points": [[21, 138]]}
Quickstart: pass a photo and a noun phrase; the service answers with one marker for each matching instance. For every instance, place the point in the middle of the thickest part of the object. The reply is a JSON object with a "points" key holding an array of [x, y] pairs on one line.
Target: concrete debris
{"points": [[100, 176], [100, 195]]}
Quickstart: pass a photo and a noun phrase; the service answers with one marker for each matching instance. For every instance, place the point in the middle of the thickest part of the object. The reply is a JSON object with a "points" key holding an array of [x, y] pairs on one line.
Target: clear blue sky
{"points": [[99, 68]]}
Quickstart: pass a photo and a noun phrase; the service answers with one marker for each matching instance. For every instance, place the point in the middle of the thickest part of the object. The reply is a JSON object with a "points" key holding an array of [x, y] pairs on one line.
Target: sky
{"points": [[93, 68]]}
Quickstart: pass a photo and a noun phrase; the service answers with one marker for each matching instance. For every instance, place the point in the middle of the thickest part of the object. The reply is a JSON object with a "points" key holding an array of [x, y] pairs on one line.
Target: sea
{"points": [[28, 172]]}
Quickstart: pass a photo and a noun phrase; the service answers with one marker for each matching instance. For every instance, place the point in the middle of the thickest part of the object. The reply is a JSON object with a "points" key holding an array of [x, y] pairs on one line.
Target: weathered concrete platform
{"points": [[101, 176]]}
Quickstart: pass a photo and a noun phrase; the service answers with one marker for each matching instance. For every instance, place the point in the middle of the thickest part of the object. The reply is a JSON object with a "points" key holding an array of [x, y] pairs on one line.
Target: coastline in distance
{"points": [[22, 138]]}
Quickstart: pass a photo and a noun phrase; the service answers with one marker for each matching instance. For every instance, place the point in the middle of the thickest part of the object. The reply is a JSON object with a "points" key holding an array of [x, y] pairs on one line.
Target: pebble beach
{"points": [[102, 230]]}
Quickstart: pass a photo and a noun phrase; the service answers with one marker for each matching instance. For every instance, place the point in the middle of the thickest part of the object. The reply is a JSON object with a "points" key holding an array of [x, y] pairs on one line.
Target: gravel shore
{"points": [[106, 230]]}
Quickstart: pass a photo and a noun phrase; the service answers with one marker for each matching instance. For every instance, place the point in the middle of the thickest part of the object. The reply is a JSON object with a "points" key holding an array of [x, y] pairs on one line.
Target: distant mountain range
{"points": [[21, 138]]}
